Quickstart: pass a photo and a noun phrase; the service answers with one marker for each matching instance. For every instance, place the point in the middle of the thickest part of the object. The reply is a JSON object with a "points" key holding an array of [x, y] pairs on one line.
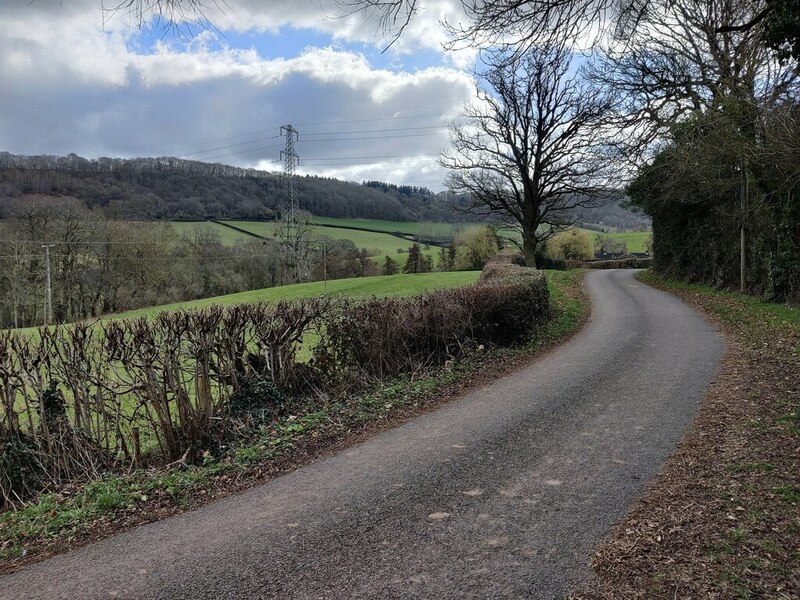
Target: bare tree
{"points": [[18, 272], [529, 22], [393, 16], [519, 23], [676, 63], [531, 148], [174, 14]]}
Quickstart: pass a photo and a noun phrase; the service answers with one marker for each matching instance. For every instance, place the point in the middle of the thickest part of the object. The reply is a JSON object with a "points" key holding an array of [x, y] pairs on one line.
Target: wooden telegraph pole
{"points": [[48, 289]]}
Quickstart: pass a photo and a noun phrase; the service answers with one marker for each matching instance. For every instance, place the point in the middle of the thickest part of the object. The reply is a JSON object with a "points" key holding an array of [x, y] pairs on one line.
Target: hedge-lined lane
{"points": [[503, 493]]}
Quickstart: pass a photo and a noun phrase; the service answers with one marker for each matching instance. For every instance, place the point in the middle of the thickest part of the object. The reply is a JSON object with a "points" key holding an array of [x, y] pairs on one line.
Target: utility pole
{"points": [[48, 289], [325, 265], [323, 246], [743, 203], [291, 229]]}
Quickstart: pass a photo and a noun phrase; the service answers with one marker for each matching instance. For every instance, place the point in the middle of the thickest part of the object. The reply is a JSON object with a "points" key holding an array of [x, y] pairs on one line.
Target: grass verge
{"points": [[722, 519], [78, 514]]}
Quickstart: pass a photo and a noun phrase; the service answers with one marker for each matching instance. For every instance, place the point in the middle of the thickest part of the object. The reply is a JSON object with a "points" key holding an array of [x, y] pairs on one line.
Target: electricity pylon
{"points": [[292, 233]]}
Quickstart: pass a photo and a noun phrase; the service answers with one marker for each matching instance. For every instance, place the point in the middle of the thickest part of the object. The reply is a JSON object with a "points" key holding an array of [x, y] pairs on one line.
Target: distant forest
{"points": [[175, 189]]}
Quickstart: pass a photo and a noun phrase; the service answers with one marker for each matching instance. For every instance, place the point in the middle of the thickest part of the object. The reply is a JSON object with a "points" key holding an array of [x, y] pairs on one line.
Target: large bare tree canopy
{"points": [[526, 22], [531, 147], [519, 22], [676, 64]]}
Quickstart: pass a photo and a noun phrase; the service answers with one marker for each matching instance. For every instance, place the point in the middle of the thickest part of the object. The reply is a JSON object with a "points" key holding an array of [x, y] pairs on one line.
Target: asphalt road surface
{"points": [[503, 493]]}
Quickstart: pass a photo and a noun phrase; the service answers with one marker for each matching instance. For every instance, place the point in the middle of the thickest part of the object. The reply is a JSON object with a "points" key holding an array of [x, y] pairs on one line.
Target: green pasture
{"points": [[413, 228], [228, 236], [374, 243], [377, 245], [393, 285], [635, 240], [386, 285]]}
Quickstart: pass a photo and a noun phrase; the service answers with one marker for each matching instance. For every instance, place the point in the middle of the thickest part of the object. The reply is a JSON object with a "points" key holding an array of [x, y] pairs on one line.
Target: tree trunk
{"points": [[529, 249]]}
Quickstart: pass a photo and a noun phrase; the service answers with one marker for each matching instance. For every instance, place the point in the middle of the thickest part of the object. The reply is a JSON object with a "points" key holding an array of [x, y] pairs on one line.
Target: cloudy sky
{"points": [[76, 79]]}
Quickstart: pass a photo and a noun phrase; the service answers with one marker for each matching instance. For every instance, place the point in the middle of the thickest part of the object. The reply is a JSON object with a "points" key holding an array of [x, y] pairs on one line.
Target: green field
{"points": [[377, 245], [419, 228], [635, 240], [374, 243], [391, 285], [228, 236]]}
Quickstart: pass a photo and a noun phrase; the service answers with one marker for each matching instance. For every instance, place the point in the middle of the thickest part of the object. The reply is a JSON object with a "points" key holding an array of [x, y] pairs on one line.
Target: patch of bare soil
{"points": [[722, 519]]}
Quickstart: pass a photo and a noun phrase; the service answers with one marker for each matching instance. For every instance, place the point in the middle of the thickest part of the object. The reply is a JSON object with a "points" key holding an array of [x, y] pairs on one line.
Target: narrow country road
{"points": [[503, 493]]}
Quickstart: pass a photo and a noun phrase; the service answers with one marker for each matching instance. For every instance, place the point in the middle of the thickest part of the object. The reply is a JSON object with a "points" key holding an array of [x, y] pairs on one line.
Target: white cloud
{"points": [[425, 30], [72, 84]]}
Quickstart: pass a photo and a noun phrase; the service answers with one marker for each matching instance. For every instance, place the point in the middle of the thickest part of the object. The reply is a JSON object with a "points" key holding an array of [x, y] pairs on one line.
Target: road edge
{"points": [[701, 527]]}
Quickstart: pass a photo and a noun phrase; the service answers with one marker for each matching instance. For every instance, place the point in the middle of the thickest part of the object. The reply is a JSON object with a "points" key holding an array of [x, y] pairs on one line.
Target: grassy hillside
{"points": [[392, 285], [377, 245], [421, 228], [228, 236], [374, 243]]}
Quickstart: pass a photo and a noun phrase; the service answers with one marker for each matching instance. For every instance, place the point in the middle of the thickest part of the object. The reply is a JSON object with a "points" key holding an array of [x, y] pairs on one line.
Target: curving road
{"points": [[503, 493]]}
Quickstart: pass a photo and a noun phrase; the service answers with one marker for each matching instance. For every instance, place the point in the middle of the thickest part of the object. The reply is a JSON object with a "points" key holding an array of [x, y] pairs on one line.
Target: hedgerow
{"points": [[87, 399]]}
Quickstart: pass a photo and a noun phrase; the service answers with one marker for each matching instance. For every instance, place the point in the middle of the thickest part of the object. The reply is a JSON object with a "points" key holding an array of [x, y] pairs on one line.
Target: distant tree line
{"points": [[175, 189], [612, 214]]}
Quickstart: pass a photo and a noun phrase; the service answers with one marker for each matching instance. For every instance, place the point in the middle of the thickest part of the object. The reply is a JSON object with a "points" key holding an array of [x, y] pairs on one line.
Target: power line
{"points": [[304, 140], [183, 149], [272, 137], [376, 119], [109, 243], [378, 137], [207, 158], [370, 157], [229, 257], [381, 130]]}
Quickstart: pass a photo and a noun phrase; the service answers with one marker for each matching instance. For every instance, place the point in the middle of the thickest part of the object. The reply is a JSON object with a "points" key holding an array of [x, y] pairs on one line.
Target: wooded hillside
{"points": [[174, 189], [168, 188]]}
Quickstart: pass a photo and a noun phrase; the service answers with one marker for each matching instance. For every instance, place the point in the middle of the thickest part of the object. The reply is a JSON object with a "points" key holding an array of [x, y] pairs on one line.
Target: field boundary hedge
{"points": [[113, 396]]}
